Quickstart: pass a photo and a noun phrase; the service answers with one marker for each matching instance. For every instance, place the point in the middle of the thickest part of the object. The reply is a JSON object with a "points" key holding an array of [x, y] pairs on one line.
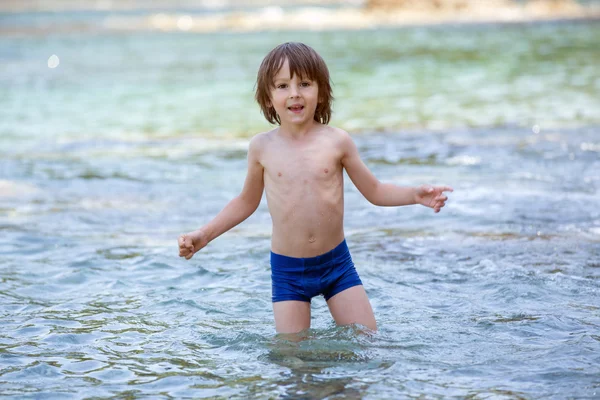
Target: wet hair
{"points": [[304, 62]]}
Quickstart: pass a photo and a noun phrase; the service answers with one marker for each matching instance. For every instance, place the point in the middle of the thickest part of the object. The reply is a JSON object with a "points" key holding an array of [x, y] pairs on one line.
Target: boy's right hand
{"points": [[190, 243]]}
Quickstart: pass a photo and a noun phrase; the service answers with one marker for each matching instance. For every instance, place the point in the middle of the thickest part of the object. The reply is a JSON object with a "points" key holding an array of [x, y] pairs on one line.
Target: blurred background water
{"points": [[116, 137]]}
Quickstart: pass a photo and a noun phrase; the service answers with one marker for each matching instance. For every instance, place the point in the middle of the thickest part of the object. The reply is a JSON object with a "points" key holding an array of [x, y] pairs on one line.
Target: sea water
{"points": [[129, 138]]}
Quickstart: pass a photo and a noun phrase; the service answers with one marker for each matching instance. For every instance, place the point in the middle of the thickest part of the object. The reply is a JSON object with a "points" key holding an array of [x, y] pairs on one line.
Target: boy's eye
{"points": [[305, 84], [281, 86]]}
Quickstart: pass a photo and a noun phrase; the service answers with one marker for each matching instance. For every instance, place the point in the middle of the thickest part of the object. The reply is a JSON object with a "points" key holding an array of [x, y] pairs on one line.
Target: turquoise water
{"points": [[136, 137]]}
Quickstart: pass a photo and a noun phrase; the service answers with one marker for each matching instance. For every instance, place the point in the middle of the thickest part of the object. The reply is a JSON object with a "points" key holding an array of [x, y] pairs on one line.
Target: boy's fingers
{"points": [[424, 190], [185, 242], [438, 206]]}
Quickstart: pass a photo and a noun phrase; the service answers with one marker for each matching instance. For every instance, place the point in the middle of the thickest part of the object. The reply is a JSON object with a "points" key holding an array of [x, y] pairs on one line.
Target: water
{"points": [[137, 137]]}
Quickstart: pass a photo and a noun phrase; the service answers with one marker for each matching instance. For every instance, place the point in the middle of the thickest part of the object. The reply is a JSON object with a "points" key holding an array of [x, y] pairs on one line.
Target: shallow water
{"points": [[107, 158]]}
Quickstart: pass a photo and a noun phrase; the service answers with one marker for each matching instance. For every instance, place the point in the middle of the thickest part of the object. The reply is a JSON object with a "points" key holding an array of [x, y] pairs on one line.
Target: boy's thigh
{"points": [[291, 316], [352, 306]]}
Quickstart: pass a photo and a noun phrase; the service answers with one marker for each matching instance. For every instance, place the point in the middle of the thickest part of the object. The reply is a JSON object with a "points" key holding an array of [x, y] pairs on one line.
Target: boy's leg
{"points": [[352, 306], [291, 316]]}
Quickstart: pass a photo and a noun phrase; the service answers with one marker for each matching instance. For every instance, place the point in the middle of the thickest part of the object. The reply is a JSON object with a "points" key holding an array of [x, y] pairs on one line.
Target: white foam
{"points": [[464, 160]]}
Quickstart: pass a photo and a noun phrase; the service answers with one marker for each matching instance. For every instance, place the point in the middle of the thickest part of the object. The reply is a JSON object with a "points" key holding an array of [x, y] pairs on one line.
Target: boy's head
{"points": [[304, 62]]}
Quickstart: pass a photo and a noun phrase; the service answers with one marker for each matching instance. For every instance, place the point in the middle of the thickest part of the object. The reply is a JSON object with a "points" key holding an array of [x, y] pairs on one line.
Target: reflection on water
{"points": [[315, 358]]}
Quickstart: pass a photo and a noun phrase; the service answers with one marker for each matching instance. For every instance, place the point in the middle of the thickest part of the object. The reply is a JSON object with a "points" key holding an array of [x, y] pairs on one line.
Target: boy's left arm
{"points": [[387, 194]]}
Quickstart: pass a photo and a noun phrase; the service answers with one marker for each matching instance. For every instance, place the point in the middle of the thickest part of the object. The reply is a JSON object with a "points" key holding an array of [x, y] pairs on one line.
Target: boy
{"points": [[300, 165]]}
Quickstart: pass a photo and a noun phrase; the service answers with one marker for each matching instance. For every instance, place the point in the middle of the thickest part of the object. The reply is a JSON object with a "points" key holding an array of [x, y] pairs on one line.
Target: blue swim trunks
{"points": [[303, 278]]}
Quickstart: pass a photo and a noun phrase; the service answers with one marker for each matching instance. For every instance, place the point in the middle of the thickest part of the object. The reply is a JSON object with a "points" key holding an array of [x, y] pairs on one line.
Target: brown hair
{"points": [[305, 62]]}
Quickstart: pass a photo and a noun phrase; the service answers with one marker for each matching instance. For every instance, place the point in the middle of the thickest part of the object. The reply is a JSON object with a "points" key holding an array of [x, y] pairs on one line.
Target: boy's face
{"points": [[294, 99]]}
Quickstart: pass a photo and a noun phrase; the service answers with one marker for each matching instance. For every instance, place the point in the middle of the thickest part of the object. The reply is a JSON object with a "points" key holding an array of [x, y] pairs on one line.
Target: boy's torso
{"points": [[304, 185]]}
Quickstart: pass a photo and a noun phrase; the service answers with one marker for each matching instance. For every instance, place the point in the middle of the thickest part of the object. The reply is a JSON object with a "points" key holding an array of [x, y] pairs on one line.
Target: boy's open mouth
{"points": [[296, 108]]}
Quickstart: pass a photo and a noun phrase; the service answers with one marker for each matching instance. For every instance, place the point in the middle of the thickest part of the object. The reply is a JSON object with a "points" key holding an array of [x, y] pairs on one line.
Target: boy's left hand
{"points": [[432, 196]]}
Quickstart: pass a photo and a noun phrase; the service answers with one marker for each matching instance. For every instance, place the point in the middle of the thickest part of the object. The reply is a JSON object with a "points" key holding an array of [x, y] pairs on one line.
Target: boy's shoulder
{"points": [[339, 136], [338, 132], [259, 140], [331, 132]]}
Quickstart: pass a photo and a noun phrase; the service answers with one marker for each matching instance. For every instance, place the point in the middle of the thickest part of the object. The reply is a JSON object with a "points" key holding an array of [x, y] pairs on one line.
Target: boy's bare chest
{"points": [[312, 163]]}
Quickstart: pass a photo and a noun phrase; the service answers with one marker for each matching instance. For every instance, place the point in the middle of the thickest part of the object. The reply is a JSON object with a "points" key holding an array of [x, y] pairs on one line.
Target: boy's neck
{"points": [[297, 131]]}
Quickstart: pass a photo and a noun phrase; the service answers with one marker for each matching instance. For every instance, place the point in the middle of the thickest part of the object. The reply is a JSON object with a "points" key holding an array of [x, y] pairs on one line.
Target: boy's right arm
{"points": [[236, 211]]}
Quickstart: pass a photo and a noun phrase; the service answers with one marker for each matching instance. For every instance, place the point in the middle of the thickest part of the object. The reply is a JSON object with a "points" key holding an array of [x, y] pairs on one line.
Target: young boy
{"points": [[300, 165]]}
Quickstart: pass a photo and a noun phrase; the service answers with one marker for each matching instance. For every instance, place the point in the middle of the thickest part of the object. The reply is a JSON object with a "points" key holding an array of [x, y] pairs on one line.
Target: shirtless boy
{"points": [[300, 165]]}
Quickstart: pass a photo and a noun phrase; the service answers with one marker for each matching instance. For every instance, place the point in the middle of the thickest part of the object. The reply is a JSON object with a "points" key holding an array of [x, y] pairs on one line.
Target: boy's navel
{"points": [[279, 174], [326, 170]]}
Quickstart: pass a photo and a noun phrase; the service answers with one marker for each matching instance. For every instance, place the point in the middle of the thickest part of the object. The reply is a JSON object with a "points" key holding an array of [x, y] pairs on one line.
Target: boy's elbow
{"points": [[373, 200], [377, 202], [254, 205], [373, 195], [248, 204]]}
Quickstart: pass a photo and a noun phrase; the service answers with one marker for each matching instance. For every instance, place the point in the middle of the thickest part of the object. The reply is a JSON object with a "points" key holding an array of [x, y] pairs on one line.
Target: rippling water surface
{"points": [[137, 137]]}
